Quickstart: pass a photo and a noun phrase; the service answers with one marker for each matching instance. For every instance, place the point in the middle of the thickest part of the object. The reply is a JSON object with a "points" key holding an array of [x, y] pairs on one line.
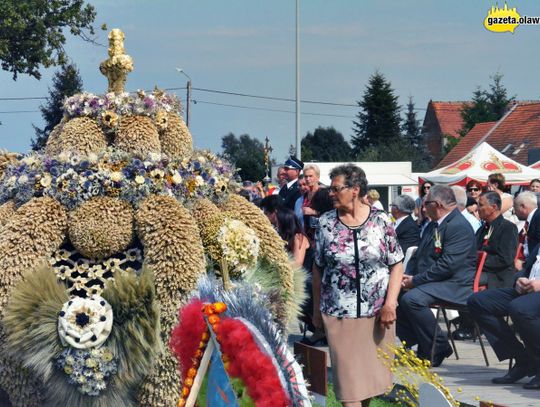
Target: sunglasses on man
{"points": [[473, 189]]}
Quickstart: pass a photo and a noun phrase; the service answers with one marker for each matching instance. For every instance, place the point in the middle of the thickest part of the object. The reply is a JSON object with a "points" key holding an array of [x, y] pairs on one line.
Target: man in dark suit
{"points": [[290, 192], [522, 304], [407, 231], [442, 269], [499, 239], [525, 208]]}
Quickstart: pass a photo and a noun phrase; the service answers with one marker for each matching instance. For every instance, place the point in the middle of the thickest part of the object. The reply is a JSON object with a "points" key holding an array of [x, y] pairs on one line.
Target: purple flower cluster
{"points": [[72, 179], [140, 103]]}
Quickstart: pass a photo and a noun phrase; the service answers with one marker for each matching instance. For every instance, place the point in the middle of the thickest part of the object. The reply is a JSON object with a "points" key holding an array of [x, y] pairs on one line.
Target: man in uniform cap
{"points": [[290, 192]]}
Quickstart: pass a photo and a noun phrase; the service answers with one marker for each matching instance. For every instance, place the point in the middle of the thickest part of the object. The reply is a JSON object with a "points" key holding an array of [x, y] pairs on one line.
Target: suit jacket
{"points": [[408, 233], [531, 259], [290, 195], [533, 234], [447, 275], [501, 250]]}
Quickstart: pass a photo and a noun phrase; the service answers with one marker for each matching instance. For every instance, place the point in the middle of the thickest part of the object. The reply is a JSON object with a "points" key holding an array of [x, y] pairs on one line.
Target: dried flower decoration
{"points": [[85, 323], [161, 120], [89, 370], [73, 179], [109, 119], [240, 245]]}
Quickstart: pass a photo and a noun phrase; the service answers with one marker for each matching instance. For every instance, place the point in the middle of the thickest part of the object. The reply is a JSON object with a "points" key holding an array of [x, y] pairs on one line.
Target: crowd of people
{"points": [[363, 296]]}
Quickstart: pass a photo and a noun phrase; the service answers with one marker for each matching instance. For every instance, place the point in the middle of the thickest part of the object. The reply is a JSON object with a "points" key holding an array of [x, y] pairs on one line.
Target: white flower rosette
{"points": [[239, 243], [85, 323]]}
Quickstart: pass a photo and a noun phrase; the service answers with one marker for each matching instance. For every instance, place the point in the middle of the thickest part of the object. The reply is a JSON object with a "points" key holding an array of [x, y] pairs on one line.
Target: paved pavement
{"points": [[471, 375]]}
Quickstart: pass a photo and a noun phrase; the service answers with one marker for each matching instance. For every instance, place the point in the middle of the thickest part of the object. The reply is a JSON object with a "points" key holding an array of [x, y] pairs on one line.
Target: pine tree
{"points": [[412, 134], [411, 126], [66, 83], [378, 121], [486, 105]]}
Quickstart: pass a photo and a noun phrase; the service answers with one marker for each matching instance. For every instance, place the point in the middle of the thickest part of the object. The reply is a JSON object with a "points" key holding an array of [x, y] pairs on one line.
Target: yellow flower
{"points": [[162, 120], [139, 179], [107, 356], [46, 181], [116, 176], [68, 369], [109, 119], [176, 178]]}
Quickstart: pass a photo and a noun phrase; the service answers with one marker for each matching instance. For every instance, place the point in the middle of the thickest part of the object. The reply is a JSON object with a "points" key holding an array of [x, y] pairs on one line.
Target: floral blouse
{"points": [[355, 262]]}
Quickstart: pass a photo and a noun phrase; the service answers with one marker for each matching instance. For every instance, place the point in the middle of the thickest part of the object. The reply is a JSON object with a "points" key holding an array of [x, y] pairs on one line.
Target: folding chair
{"points": [[443, 306]]}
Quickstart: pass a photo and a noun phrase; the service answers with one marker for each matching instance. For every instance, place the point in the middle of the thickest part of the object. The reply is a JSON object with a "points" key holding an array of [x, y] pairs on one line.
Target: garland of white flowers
{"points": [[240, 245]]}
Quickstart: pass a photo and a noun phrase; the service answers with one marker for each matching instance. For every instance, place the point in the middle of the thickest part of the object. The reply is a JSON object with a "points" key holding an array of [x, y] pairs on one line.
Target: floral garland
{"points": [[107, 109], [73, 179]]}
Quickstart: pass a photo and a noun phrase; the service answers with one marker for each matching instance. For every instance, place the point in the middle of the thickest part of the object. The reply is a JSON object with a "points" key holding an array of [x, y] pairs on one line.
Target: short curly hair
{"points": [[353, 175]]}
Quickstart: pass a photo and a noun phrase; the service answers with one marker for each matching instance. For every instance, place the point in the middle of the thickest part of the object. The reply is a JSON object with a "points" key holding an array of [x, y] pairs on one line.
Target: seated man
{"points": [[499, 239], [522, 303], [407, 231], [441, 270], [525, 208]]}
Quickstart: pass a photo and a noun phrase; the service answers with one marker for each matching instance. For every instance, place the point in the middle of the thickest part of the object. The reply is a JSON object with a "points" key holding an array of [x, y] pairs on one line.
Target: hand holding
{"points": [[521, 285]]}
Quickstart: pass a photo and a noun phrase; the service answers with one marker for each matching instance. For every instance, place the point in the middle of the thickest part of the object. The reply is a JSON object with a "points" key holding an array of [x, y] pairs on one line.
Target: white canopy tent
{"points": [[478, 165]]}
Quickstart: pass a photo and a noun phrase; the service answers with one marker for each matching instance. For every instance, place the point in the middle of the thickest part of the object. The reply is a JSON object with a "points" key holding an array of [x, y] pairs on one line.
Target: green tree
{"points": [[486, 106], [32, 32], [66, 82], [325, 144], [412, 134], [246, 153], [378, 120]]}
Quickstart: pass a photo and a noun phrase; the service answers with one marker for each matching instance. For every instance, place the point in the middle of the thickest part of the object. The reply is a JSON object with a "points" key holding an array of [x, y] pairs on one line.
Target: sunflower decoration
{"points": [[162, 120], [109, 119]]}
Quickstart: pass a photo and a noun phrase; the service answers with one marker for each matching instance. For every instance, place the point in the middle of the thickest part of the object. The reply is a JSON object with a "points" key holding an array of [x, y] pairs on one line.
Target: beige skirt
{"points": [[357, 372]]}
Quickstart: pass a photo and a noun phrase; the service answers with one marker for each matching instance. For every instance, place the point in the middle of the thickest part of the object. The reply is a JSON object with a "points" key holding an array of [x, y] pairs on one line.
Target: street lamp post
{"points": [[188, 93]]}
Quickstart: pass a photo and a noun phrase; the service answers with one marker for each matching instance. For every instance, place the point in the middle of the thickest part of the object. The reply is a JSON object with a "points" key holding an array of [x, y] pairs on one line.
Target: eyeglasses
{"points": [[337, 188], [426, 187], [473, 190], [429, 202]]}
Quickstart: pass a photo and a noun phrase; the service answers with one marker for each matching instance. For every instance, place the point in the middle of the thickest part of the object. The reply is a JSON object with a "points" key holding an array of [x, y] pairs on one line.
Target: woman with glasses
{"points": [[356, 281], [474, 189], [424, 189]]}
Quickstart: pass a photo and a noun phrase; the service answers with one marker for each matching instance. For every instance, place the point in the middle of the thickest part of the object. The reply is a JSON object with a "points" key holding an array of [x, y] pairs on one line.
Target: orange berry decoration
{"points": [[188, 382], [185, 391], [181, 402], [220, 307], [192, 372], [213, 319]]}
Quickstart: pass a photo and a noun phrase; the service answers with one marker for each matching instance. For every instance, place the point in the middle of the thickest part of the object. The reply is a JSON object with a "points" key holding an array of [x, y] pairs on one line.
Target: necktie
{"points": [[523, 233]]}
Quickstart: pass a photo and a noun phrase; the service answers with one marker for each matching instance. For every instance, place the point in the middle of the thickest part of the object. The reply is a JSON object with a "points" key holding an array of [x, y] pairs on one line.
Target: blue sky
{"points": [[428, 50]]}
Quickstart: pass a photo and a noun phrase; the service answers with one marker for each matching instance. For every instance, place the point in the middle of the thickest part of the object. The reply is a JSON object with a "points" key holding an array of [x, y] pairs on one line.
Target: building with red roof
{"points": [[516, 134], [442, 119]]}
